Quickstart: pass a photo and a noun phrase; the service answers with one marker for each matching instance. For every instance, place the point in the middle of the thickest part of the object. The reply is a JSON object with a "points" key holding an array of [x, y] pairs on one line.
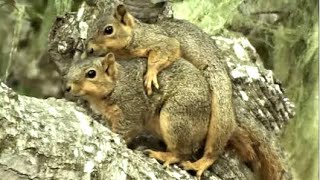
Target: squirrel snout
{"points": [[95, 50], [90, 50], [68, 88], [90, 47]]}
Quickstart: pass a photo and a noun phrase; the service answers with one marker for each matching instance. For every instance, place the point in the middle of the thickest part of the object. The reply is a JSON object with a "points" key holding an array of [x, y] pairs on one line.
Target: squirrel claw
{"points": [[149, 90], [167, 158], [155, 82], [147, 152], [147, 84], [151, 78], [199, 174], [187, 165], [166, 165]]}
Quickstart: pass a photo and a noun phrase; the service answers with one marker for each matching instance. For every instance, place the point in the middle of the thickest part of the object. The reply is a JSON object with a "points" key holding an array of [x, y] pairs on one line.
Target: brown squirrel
{"points": [[118, 35], [179, 112], [122, 34]]}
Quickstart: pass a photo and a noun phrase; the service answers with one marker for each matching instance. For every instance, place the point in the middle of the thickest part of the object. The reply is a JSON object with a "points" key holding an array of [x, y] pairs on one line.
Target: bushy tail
{"points": [[256, 148]]}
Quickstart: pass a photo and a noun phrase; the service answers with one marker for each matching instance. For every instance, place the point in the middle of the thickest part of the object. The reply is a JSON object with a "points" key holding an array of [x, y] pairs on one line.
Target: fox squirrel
{"points": [[179, 112], [163, 43], [119, 36]]}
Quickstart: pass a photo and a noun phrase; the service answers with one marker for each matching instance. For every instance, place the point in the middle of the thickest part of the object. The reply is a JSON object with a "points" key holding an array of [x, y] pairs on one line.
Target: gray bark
{"points": [[56, 139]]}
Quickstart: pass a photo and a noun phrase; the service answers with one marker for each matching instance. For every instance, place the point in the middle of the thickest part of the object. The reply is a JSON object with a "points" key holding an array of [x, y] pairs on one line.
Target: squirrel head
{"points": [[113, 32], [93, 77]]}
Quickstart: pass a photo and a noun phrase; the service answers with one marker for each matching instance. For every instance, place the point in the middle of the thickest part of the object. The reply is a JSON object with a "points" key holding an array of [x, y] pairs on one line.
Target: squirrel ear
{"points": [[124, 16], [109, 65]]}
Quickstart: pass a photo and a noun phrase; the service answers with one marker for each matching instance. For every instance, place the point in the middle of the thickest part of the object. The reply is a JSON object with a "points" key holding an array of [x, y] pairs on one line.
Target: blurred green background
{"points": [[284, 33]]}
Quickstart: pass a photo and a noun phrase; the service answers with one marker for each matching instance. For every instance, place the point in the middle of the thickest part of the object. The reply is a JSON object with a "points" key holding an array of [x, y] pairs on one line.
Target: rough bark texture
{"points": [[258, 96], [56, 139]]}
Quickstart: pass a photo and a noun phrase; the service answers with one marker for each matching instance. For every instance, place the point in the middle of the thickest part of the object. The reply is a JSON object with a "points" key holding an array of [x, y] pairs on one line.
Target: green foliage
{"points": [[13, 46], [63, 6], [209, 15], [302, 84], [26, 26]]}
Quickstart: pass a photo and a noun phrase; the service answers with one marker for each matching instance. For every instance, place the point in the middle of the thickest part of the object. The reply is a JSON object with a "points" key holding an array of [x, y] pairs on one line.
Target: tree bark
{"points": [[56, 139]]}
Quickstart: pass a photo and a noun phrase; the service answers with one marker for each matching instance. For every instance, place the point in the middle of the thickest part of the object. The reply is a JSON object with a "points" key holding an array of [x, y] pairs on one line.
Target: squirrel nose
{"points": [[68, 88], [90, 50]]}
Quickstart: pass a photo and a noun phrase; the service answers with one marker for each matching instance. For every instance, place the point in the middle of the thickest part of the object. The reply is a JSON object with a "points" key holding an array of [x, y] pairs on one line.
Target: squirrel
{"points": [[124, 35], [118, 35], [179, 112]]}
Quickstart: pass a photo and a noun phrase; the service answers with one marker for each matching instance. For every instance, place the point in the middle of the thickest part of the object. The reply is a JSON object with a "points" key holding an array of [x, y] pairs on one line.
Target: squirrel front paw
{"points": [[149, 79]]}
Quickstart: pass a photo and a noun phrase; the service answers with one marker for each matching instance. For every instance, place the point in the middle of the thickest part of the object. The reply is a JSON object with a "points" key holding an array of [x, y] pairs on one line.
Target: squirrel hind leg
{"points": [[199, 166], [178, 146]]}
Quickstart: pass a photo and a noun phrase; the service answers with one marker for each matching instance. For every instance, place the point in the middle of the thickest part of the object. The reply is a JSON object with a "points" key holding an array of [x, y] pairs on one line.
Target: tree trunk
{"points": [[56, 139]]}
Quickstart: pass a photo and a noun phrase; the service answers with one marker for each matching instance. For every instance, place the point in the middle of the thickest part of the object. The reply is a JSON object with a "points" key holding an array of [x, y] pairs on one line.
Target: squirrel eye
{"points": [[91, 74], [108, 30]]}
